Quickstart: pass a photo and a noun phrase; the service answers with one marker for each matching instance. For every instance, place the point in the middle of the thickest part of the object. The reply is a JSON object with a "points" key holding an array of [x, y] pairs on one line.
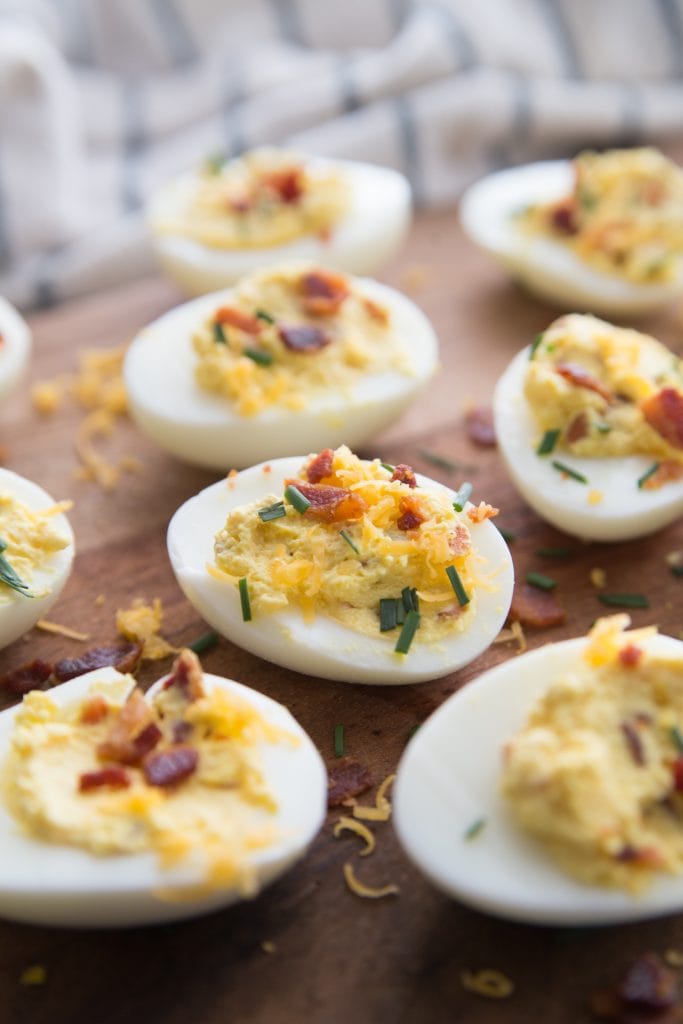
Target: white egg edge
{"points": [[15, 349], [549, 269], [364, 240], [203, 429], [449, 777], [18, 614], [48, 883], [284, 637], [625, 511]]}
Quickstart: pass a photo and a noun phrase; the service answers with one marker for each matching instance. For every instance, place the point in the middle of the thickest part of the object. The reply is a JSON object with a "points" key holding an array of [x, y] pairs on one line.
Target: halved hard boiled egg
{"points": [[343, 568], [36, 552], [589, 422], [15, 347], [292, 358], [603, 233], [212, 226], [90, 841]]}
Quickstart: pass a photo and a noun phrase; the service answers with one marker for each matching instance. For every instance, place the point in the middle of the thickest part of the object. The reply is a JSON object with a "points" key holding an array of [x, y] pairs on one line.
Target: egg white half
{"points": [[625, 510], [20, 613], [449, 777], [548, 268], [366, 237], [48, 883], [14, 349], [323, 647], [202, 428]]}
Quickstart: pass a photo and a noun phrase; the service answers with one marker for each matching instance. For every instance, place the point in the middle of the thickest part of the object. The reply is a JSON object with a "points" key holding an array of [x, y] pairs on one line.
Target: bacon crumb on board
{"points": [[534, 607], [479, 426], [648, 991], [30, 676], [346, 779], [124, 657]]}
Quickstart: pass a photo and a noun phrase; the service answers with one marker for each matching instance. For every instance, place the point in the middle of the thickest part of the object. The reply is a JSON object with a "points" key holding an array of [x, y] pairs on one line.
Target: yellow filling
{"points": [[31, 538]]}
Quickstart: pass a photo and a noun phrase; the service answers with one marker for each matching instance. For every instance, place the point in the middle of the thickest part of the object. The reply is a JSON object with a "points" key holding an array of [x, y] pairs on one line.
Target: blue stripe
{"points": [[670, 13], [410, 151], [288, 21], [133, 143], [460, 42], [350, 99], [181, 45], [564, 39]]}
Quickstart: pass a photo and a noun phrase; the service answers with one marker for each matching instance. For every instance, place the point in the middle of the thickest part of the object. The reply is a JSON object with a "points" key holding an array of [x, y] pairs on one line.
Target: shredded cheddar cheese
{"points": [[55, 627], [141, 624], [488, 982], [367, 891], [349, 825]]}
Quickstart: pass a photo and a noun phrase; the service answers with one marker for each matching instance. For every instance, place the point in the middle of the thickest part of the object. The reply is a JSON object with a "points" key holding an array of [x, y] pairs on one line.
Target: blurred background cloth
{"points": [[102, 100]]}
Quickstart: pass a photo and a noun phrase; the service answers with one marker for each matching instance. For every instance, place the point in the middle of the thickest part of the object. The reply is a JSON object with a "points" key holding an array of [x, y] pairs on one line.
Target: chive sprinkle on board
{"points": [[204, 642], [534, 345], [624, 600], [219, 333], [339, 740], [456, 583], [642, 480], [507, 535], [270, 512], [473, 830], [562, 468], [463, 496], [677, 738], [266, 317], [388, 619], [349, 540], [296, 499], [676, 570], [538, 579], [548, 442], [437, 460], [554, 552], [407, 633], [258, 356], [244, 599]]}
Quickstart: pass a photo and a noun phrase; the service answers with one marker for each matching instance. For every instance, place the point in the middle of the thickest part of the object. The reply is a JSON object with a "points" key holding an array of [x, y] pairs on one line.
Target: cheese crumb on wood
{"points": [[55, 627], [33, 975], [382, 809], [488, 982], [598, 578], [351, 825], [141, 624], [366, 891]]}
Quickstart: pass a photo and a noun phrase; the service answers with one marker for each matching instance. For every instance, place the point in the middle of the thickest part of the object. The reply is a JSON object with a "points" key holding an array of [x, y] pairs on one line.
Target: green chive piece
{"points": [[554, 552], [624, 600], [388, 609], [406, 635], [244, 599], [266, 317], [204, 642], [463, 496], [603, 428], [219, 333], [473, 830], [400, 612], [507, 535], [297, 499], [534, 345], [339, 740], [258, 356], [647, 474], [9, 576], [410, 601], [538, 579], [270, 512], [677, 738], [413, 729], [562, 468], [215, 162], [676, 570], [387, 465], [349, 540], [457, 585], [548, 442], [437, 460]]}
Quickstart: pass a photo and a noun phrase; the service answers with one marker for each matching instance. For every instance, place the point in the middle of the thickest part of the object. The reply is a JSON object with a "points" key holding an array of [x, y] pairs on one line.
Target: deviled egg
{"points": [[36, 552], [120, 809], [15, 347], [603, 232], [589, 421], [344, 568], [293, 357], [211, 226]]}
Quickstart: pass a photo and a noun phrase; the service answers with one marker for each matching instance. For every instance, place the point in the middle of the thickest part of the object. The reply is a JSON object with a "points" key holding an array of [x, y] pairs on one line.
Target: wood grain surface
{"points": [[335, 958]]}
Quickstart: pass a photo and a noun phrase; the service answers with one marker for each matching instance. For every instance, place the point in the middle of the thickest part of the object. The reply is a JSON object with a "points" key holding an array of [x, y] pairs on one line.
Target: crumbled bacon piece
{"points": [[187, 675], [532, 606], [666, 472], [648, 992], [320, 466], [377, 312], [288, 183], [478, 513], [677, 772], [404, 474], [347, 778], [27, 677], [645, 856], [132, 734], [634, 742], [630, 655], [94, 709], [664, 412], [322, 292], [411, 513], [577, 429], [479, 426], [563, 217], [330, 504], [124, 657], [303, 337], [113, 777], [234, 317], [171, 766], [459, 541], [581, 378]]}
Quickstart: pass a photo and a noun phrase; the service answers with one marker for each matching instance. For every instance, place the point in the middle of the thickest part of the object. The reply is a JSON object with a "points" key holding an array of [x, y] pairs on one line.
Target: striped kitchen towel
{"points": [[100, 101]]}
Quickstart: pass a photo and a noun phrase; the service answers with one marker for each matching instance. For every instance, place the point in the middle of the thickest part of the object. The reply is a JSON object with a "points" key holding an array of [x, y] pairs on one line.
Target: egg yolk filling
{"points": [[604, 391], [362, 543], [264, 198], [180, 775], [623, 216], [597, 771], [291, 334], [28, 539]]}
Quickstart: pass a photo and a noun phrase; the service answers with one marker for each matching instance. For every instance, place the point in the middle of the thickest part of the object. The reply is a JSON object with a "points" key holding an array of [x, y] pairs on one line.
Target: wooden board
{"points": [[335, 957]]}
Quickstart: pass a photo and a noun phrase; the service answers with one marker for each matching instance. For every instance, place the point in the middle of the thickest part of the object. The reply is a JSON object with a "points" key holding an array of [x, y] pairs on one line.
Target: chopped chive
{"points": [[339, 740], [413, 729], [543, 582], [463, 496], [603, 428], [270, 512], [258, 356], [406, 635], [215, 162], [9, 576], [387, 465], [349, 540], [410, 601], [534, 345], [437, 460], [548, 442], [400, 612], [219, 333], [647, 474], [507, 535], [554, 552], [244, 599], [624, 600], [296, 499], [457, 585], [562, 468], [676, 570], [266, 317], [677, 738], [388, 608], [204, 642], [473, 830]]}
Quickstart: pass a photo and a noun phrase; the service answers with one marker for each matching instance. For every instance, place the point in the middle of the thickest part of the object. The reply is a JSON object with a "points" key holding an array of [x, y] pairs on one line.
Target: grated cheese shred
{"points": [[367, 891]]}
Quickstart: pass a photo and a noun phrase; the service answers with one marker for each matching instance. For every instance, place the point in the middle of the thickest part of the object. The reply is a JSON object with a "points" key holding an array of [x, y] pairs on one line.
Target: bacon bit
{"points": [[303, 338], [630, 655], [535, 607], [667, 471], [411, 514], [346, 779], [377, 312], [577, 429], [633, 742], [664, 412], [320, 466], [646, 992], [123, 657], [132, 734], [479, 426], [27, 677], [322, 292], [169, 767], [563, 217], [677, 772], [581, 378], [404, 474], [94, 709], [330, 504], [187, 675], [459, 541], [287, 183], [482, 511], [234, 317], [113, 776], [182, 731], [641, 856]]}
